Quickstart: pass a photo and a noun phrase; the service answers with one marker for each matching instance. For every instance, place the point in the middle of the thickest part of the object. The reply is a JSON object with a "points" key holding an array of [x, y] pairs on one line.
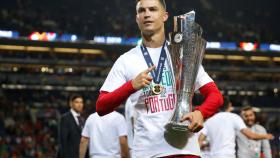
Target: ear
{"points": [[136, 18], [165, 16]]}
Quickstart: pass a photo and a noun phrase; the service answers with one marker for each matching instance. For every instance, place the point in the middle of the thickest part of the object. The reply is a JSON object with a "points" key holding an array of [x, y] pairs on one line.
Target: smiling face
{"points": [[249, 117], [150, 16]]}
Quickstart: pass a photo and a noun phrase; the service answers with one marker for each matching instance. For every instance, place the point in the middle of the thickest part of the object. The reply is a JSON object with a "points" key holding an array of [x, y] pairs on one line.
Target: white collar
{"points": [[74, 113]]}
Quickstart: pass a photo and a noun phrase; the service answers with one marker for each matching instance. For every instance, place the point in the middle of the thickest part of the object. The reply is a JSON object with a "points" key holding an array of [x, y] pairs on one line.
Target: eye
{"points": [[153, 9], [141, 10]]}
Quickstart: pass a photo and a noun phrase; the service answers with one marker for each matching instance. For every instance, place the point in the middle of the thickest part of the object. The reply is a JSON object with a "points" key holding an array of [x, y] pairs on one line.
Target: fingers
{"points": [[270, 136], [149, 69], [195, 119], [186, 117]]}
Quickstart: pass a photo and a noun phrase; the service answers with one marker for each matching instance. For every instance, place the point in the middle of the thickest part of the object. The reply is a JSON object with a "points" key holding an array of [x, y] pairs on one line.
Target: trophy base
{"points": [[176, 134]]}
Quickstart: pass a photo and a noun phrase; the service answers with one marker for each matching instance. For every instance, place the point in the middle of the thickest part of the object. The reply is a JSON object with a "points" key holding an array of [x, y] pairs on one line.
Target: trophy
{"points": [[186, 53]]}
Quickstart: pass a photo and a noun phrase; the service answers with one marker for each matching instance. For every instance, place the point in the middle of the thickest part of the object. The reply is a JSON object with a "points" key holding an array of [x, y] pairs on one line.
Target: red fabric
{"points": [[182, 156], [107, 102], [213, 100]]}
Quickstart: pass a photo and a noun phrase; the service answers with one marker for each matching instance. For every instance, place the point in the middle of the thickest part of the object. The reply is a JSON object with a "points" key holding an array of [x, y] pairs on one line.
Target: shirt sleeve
{"points": [[265, 146], [202, 78], [121, 126], [86, 129], [116, 76], [238, 123], [204, 130]]}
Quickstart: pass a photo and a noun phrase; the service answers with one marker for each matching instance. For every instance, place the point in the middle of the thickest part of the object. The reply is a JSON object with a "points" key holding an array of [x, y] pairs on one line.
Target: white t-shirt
{"points": [[150, 113], [103, 133], [221, 129]]}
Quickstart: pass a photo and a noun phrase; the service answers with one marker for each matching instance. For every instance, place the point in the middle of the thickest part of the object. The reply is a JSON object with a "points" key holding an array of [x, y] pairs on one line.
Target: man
{"points": [[247, 148], [222, 128], [106, 136], [129, 80], [70, 127]]}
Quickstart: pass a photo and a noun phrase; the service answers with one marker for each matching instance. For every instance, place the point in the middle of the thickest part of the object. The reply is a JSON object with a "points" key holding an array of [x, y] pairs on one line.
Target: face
{"points": [[77, 105], [150, 16], [248, 117]]}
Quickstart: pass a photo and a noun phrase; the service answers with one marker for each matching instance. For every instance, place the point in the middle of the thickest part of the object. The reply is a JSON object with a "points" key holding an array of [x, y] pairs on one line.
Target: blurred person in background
{"points": [[222, 129], [248, 148], [106, 136], [70, 128]]}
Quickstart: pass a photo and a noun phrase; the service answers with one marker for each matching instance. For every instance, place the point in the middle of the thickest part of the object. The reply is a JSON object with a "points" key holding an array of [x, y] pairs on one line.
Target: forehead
{"points": [[78, 100], [248, 112], [148, 3]]}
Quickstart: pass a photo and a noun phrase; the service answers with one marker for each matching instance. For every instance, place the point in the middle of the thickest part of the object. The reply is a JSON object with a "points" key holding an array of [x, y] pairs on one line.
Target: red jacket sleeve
{"points": [[108, 101], [213, 100]]}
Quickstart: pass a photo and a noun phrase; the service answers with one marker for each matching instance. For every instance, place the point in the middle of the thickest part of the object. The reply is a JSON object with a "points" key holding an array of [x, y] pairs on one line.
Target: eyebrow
{"points": [[149, 7]]}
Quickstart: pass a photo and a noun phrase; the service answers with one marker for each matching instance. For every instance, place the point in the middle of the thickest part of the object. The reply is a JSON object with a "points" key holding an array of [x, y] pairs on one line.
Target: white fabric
{"points": [[103, 133], [221, 129], [150, 113], [75, 114]]}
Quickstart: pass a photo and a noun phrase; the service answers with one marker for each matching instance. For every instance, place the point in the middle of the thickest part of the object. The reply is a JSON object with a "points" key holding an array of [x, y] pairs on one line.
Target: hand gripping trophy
{"points": [[186, 53]]}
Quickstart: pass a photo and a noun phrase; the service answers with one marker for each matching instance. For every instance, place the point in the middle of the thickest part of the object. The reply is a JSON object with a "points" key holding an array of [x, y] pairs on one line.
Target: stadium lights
{"points": [[66, 50], [276, 59], [235, 57], [12, 47], [37, 49], [214, 56], [248, 46], [260, 58], [91, 51]]}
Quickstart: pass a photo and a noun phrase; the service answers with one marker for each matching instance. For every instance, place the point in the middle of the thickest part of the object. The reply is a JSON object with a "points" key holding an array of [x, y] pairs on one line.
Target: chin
{"points": [[148, 32]]}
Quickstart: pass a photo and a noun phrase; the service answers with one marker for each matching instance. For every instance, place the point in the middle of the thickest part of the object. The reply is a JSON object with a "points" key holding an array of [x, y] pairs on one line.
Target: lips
{"points": [[148, 22]]}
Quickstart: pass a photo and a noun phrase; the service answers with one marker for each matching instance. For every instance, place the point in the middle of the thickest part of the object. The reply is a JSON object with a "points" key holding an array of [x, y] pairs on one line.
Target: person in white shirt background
{"points": [[106, 136], [222, 129]]}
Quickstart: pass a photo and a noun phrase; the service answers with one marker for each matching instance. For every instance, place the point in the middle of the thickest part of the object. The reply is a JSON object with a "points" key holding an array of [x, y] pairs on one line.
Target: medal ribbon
{"points": [[156, 74]]}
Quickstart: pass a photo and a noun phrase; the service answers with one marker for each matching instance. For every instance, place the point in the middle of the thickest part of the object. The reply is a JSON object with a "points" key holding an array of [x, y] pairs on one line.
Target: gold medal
{"points": [[157, 89]]}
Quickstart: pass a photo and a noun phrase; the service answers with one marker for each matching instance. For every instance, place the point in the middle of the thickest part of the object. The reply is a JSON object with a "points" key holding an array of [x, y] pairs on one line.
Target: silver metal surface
{"points": [[186, 52]]}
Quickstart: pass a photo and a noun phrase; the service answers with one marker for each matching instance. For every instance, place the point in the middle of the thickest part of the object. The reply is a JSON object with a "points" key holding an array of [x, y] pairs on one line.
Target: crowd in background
{"points": [[222, 21], [29, 118], [29, 121], [28, 124]]}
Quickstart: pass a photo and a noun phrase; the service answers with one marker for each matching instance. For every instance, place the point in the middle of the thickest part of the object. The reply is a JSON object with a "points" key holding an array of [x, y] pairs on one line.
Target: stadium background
{"points": [[51, 48]]}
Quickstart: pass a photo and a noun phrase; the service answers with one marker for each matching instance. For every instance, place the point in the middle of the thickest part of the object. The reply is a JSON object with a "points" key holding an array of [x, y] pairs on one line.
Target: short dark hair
{"points": [[162, 2], [246, 107], [226, 103], [74, 96]]}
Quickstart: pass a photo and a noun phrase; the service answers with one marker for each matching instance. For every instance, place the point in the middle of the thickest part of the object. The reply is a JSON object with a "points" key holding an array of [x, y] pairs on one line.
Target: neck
{"points": [[153, 40]]}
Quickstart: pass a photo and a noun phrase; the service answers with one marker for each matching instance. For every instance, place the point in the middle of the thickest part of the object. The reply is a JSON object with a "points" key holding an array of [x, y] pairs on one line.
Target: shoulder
{"points": [[117, 115], [259, 127], [128, 56], [92, 116], [66, 115], [132, 52], [91, 119], [234, 116]]}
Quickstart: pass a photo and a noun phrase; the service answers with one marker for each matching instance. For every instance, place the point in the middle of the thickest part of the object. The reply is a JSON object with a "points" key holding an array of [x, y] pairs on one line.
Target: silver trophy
{"points": [[186, 53]]}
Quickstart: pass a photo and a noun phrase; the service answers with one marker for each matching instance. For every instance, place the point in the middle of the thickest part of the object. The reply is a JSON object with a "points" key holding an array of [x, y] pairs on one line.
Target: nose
{"points": [[147, 14]]}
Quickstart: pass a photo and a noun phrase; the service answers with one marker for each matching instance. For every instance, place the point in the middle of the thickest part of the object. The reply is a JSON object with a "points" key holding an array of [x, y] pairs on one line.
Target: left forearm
{"points": [[213, 100], [83, 147]]}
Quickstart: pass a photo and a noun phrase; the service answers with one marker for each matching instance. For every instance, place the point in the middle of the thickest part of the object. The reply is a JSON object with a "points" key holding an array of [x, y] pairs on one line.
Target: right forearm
{"points": [[108, 101]]}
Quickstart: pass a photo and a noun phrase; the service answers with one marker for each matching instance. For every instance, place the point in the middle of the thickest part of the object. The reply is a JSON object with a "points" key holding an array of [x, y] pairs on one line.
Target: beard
{"points": [[148, 33]]}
